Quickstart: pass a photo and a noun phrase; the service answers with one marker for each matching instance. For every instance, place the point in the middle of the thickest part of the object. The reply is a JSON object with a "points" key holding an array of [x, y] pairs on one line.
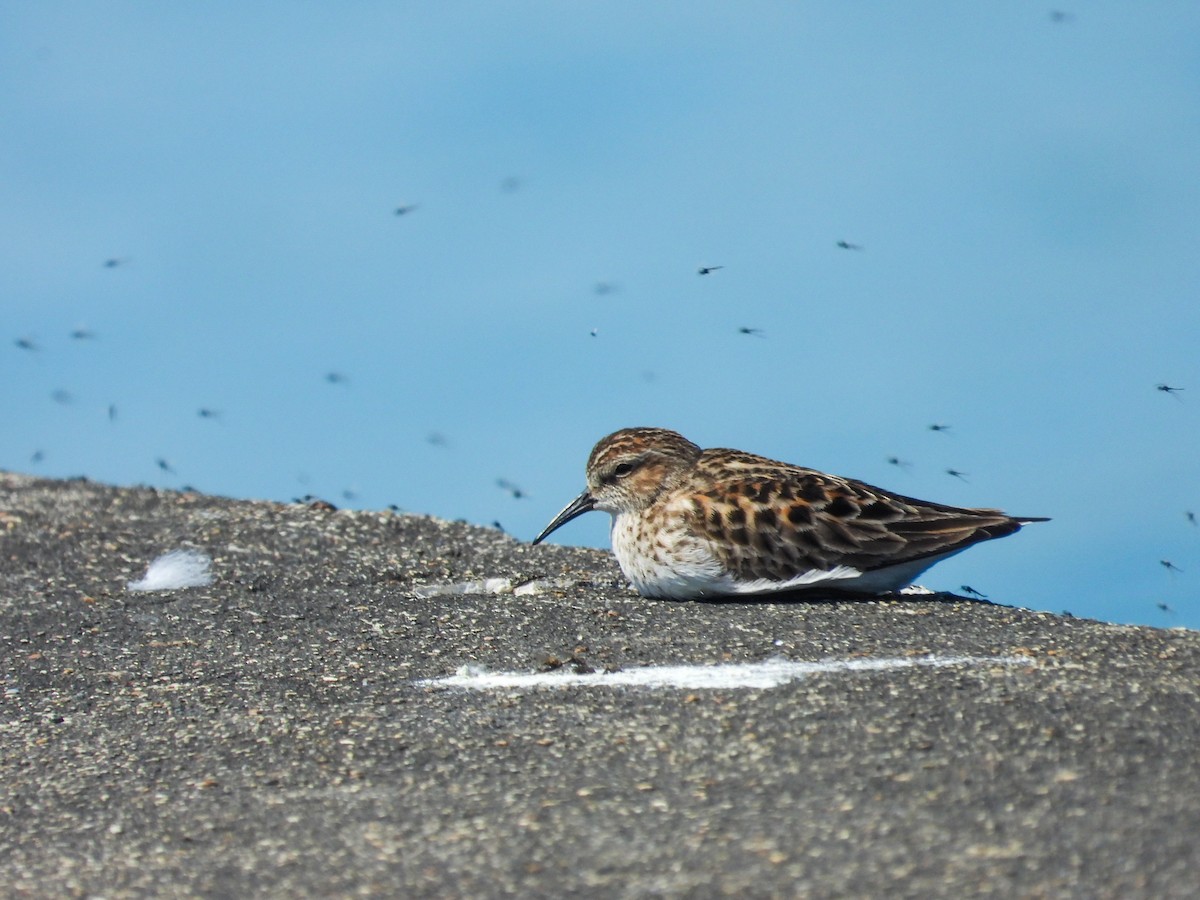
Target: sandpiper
{"points": [[690, 523]]}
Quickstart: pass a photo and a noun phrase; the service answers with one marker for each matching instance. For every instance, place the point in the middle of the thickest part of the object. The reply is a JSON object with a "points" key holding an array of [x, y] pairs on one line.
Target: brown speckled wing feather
{"points": [[774, 521]]}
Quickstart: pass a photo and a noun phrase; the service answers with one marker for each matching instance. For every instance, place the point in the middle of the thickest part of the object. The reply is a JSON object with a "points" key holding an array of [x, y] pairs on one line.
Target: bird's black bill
{"points": [[585, 502]]}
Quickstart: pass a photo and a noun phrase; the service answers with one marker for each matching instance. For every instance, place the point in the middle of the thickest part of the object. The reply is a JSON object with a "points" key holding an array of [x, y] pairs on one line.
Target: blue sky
{"points": [[1025, 191]]}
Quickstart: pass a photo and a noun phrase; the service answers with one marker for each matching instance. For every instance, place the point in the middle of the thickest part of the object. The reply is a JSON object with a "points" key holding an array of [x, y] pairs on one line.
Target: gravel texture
{"points": [[267, 735]]}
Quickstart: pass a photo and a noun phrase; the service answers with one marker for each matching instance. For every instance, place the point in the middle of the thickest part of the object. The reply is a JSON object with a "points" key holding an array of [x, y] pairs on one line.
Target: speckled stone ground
{"points": [[266, 735]]}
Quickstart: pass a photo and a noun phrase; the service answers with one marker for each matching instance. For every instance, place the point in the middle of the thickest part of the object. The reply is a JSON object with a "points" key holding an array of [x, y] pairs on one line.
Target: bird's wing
{"points": [[765, 520]]}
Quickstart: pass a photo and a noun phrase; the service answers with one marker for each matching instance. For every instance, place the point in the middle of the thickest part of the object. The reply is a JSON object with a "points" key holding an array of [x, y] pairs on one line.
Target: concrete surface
{"points": [[271, 735]]}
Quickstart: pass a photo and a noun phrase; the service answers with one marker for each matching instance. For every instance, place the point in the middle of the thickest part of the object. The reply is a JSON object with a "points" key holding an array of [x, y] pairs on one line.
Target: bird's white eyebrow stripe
{"points": [[762, 675]]}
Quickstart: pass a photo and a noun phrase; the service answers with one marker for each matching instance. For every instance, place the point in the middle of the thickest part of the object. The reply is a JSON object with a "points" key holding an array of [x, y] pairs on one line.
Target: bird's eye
{"points": [[623, 469]]}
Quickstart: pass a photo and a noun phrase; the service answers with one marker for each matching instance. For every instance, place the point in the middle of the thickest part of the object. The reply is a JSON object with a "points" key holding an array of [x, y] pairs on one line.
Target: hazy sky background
{"points": [[1025, 187]]}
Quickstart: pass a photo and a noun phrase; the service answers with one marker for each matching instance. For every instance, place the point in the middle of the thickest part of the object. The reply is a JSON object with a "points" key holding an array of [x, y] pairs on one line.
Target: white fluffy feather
{"points": [[175, 570]]}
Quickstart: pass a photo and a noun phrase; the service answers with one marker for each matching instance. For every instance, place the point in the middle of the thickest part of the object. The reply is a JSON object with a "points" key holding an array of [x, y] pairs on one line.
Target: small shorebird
{"points": [[690, 523]]}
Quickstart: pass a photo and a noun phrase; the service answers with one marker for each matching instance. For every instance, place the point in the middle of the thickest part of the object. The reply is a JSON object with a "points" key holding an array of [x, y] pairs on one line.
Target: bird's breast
{"points": [[662, 560]]}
